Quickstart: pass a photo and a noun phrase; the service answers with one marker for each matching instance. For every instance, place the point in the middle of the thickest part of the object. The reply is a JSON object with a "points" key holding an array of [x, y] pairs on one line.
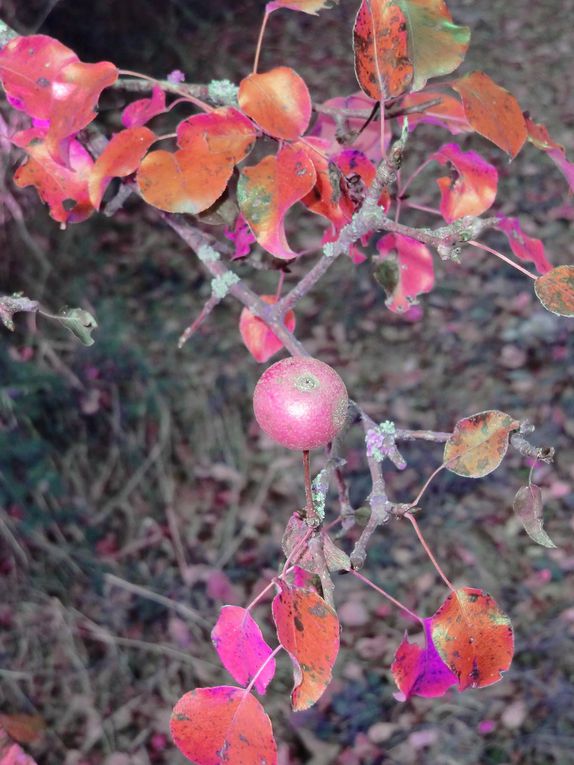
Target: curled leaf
{"points": [[143, 110], [242, 647], [307, 6], [80, 323], [443, 110], [261, 342], [308, 629], [421, 671], [266, 191], [473, 637], [121, 157], [473, 189], [492, 111], [405, 270], [223, 724], [539, 136], [555, 290], [523, 246], [478, 444], [529, 509], [278, 101]]}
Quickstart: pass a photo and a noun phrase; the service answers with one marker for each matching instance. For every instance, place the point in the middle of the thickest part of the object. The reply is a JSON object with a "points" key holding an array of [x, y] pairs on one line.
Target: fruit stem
{"points": [[312, 517]]}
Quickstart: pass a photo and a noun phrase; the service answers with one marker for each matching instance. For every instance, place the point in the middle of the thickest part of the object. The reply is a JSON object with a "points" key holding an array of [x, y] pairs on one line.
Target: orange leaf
{"points": [[555, 290], [64, 189], [261, 342], [473, 191], [478, 443], [308, 629], [473, 637], [223, 724], [193, 178], [266, 191], [492, 111], [23, 728], [278, 101], [307, 6], [121, 157], [380, 39]]}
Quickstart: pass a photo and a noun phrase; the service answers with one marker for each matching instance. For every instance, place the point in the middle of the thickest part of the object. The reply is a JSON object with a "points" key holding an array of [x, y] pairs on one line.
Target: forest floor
{"points": [[138, 496]]}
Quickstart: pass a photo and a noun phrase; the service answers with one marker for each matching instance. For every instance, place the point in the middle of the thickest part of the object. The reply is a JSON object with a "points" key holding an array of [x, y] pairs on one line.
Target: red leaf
{"points": [[242, 648], [49, 82], [539, 136], [473, 637], [121, 157], [380, 40], [261, 342], [266, 191], [524, 247], [492, 111], [473, 191], [421, 671], [193, 178], [449, 113], [211, 726], [64, 189], [278, 101], [308, 629], [143, 110], [408, 270]]}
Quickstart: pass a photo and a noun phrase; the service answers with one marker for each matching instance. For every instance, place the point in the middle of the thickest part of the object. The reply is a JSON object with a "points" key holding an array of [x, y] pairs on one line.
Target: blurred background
{"points": [[137, 495]]}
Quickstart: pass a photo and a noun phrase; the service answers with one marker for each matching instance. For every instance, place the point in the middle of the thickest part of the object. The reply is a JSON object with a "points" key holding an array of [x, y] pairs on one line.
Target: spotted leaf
{"points": [[555, 290], [267, 191], [223, 724], [308, 629], [473, 637], [478, 443]]}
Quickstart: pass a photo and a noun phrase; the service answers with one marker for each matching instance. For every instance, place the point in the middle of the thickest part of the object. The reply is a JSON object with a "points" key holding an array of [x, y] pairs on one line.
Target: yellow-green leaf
{"points": [[555, 290], [479, 443]]}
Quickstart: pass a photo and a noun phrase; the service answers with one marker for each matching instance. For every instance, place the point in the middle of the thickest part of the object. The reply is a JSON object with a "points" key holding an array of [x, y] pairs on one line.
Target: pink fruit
{"points": [[301, 403]]}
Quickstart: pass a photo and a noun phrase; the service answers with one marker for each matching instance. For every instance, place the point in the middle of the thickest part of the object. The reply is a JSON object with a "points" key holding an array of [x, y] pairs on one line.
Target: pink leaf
{"points": [[242, 648], [473, 188], [142, 111], [524, 247], [15, 755], [241, 236], [406, 270], [211, 726], [421, 671]]}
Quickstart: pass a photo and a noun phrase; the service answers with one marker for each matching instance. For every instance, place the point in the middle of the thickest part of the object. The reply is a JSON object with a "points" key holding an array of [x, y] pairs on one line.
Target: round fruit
{"points": [[301, 403]]}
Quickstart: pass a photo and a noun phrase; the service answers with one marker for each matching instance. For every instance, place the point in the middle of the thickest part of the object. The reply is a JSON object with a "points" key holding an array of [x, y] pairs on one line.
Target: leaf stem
{"points": [[502, 257], [428, 551], [260, 41], [271, 656], [188, 96], [385, 594]]}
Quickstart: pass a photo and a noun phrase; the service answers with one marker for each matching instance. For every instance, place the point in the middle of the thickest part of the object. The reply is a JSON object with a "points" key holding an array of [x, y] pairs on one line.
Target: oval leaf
{"points": [[242, 647], [278, 101], [492, 111], [81, 324], [308, 629], [529, 508], [122, 156], [478, 443], [473, 189], [421, 671], [380, 42], [266, 191], [405, 270], [524, 247], [307, 6], [223, 724], [473, 637], [555, 290]]}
